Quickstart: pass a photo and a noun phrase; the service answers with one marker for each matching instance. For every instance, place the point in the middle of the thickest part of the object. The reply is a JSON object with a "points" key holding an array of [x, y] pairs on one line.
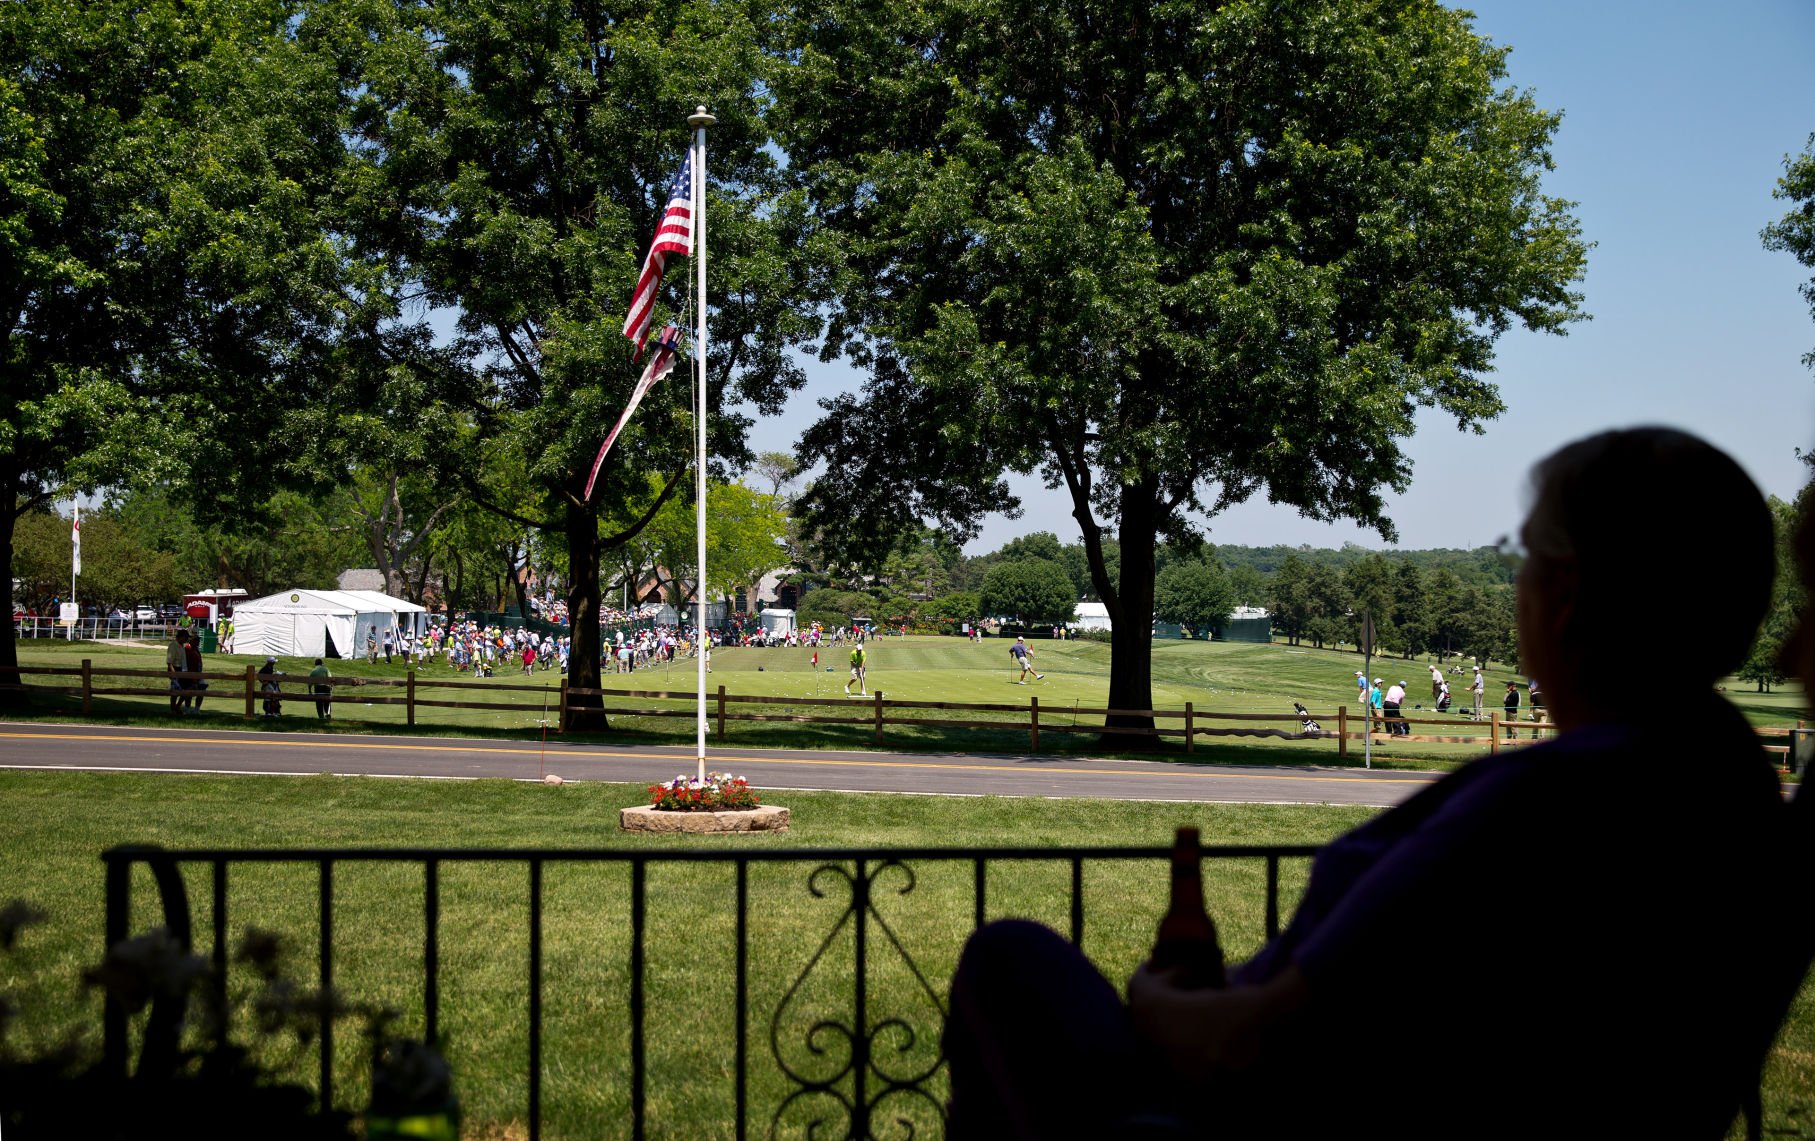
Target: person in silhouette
{"points": [[1527, 947]]}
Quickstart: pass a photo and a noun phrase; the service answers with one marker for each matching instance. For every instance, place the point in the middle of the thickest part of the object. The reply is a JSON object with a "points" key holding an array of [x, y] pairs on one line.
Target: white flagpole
{"points": [[699, 121], [75, 560]]}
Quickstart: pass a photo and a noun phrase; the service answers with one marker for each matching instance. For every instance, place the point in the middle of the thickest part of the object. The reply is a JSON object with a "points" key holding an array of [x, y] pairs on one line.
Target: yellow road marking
{"points": [[745, 757]]}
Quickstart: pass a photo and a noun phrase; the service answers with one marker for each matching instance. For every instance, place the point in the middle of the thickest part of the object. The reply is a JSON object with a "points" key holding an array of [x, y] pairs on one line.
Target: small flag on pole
{"points": [[75, 538], [660, 365], [674, 235]]}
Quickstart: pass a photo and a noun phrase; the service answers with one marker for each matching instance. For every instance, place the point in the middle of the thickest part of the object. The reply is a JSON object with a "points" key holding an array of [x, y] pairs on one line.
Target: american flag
{"points": [[660, 365], [673, 236]]}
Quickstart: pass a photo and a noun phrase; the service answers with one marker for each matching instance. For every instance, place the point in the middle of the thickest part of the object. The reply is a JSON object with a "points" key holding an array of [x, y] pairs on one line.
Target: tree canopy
{"points": [[1195, 594], [1168, 257], [515, 159], [167, 285], [1029, 589], [1794, 233]]}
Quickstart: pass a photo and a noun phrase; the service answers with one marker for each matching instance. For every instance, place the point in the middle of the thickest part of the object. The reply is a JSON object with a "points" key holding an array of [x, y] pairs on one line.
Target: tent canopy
{"points": [[320, 623]]}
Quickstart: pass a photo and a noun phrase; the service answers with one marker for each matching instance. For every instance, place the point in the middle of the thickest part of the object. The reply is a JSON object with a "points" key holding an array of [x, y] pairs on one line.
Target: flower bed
{"points": [[719, 792]]}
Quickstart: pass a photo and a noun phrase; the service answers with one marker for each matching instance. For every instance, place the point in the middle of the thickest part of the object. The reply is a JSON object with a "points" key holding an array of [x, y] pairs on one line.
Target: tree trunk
{"points": [[521, 589], [586, 712], [1131, 630]]}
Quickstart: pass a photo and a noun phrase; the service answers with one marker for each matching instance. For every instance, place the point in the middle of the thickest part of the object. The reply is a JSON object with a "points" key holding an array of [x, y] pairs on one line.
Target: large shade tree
{"points": [[1168, 255], [518, 156], [1794, 233], [167, 290]]}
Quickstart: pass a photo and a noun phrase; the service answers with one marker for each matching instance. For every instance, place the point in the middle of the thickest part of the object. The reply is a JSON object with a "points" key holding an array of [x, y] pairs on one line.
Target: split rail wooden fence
{"points": [[875, 712]]}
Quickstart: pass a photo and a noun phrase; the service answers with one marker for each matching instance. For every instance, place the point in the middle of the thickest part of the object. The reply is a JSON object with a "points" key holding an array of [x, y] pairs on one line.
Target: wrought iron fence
{"points": [[853, 1066]]}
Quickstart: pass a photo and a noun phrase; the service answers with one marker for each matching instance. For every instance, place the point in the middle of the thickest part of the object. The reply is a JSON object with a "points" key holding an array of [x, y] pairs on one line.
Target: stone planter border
{"points": [[644, 818]]}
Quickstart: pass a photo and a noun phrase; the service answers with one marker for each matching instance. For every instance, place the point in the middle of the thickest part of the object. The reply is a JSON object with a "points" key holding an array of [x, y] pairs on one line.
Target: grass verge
{"points": [[53, 825]]}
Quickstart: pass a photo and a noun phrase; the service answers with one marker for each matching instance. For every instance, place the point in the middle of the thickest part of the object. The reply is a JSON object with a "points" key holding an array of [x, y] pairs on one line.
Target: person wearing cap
{"points": [[860, 671], [1390, 704], [1361, 688], [268, 685], [1024, 658], [1478, 687], [1509, 702], [1436, 679]]}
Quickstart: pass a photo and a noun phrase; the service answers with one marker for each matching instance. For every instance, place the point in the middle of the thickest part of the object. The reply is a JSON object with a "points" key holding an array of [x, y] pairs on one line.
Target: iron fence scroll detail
{"points": [[857, 1067]]}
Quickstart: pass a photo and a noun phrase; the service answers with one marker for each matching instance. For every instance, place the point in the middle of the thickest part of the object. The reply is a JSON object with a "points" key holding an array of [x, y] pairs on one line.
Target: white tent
{"points": [[777, 621], [1091, 616], [319, 623]]}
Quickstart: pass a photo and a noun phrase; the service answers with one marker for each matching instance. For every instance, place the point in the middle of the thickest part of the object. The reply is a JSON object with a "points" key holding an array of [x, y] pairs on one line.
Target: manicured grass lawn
{"points": [[1214, 677], [53, 825]]}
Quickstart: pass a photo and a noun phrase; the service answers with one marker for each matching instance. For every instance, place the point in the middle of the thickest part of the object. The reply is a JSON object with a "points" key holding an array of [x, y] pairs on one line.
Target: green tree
{"points": [[1763, 666], [1290, 598], [1194, 593], [1411, 609], [1368, 586], [1032, 590], [1794, 233], [1250, 586], [1331, 615], [289, 540], [1077, 565], [744, 532], [166, 289], [117, 569], [836, 608], [1167, 256], [516, 162]]}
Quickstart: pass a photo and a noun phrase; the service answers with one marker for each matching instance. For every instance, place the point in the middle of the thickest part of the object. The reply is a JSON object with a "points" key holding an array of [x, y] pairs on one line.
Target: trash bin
{"points": [[1802, 750], [209, 641]]}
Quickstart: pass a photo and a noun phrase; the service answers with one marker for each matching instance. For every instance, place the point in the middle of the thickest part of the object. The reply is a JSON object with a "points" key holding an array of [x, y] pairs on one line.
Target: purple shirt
{"points": [[1580, 914]]}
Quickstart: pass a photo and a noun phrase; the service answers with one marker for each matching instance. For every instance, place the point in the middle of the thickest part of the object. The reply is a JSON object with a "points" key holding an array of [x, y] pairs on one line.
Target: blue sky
{"points": [[1677, 118]]}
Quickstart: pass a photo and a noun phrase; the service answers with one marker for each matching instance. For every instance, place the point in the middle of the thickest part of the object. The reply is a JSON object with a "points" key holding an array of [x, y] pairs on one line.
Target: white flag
{"points": [[75, 538]]}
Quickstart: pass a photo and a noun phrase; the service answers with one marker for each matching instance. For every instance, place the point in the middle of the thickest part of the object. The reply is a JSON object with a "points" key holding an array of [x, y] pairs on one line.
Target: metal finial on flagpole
{"points": [[701, 117]]}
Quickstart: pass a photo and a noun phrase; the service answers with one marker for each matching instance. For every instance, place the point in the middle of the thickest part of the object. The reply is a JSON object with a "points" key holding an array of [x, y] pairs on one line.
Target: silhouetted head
{"points": [[1644, 544]]}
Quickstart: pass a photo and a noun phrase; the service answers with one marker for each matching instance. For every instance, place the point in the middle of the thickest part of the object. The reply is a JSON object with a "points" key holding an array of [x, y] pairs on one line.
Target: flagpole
{"points": [[75, 559], [699, 121]]}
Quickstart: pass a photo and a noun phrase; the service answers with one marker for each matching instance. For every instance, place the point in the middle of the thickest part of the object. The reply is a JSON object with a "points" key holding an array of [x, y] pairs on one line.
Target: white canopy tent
{"points": [[320, 623], [1091, 616]]}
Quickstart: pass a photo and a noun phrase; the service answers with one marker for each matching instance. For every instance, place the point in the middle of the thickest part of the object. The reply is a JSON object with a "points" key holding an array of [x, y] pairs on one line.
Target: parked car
{"points": [[145, 614]]}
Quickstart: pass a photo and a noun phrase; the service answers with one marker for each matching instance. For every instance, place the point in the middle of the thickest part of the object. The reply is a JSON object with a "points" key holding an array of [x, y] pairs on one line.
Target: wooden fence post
{"points": [[251, 686], [1033, 722], [1342, 732], [878, 736], [563, 715], [88, 697], [721, 714], [1493, 747], [1190, 731], [409, 697]]}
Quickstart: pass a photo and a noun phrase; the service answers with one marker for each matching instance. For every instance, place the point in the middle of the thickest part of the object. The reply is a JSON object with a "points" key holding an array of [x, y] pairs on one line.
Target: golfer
{"points": [[1024, 658], [859, 670]]}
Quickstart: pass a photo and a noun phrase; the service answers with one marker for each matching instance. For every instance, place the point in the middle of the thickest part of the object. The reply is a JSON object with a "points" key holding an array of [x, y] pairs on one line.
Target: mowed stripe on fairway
{"points": [[747, 756]]}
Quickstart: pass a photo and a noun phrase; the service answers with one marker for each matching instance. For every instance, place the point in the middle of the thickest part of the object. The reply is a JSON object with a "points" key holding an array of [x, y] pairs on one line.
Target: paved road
{"points": [[184, 750]]}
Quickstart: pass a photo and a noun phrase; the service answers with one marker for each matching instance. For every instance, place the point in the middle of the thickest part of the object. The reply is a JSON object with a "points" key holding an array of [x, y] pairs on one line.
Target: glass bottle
{"points": [[1187, 936]]}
